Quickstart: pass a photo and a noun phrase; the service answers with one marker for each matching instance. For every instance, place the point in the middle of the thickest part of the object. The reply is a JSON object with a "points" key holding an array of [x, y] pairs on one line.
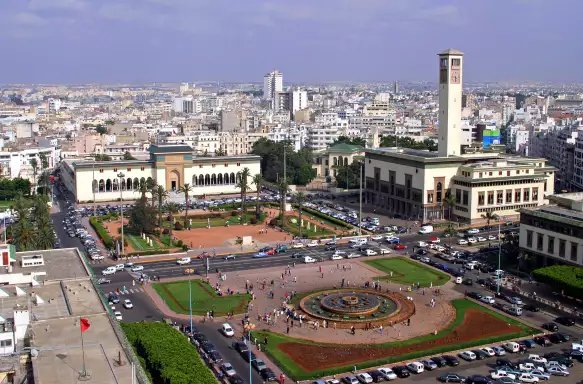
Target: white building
{"points": [[299, 101], [15, 164], [272, 84]]}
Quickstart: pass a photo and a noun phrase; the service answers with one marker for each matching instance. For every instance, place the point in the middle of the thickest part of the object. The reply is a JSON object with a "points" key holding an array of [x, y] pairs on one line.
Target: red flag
{"points": [[84, 325]]}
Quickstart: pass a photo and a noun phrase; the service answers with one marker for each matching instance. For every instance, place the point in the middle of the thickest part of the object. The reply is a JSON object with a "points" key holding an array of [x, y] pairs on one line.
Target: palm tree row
{"points": [[34, 229]]}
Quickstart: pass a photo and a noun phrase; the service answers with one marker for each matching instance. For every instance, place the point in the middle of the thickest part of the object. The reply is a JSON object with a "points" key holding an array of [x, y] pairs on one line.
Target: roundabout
{"points": [[357, 307]]}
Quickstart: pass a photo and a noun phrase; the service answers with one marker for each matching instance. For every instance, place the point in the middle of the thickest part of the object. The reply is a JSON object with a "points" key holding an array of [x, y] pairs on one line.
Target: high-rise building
{"points": [[396, 88], [272, 84], [299, 101], [450, 99]]}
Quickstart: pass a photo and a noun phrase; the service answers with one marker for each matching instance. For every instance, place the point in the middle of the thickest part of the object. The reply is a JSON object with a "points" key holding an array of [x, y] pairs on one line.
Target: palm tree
{"points": [[44, 162], [243, 185], [34, 165], [143, 189], [160, 194], [44, 180], [488, 216], [172, 208], [258, 182], [300, 197], [24, 235], [152, 188], [450, 202], [450, 231], [186, 189], [45, 238], [21, 206]]}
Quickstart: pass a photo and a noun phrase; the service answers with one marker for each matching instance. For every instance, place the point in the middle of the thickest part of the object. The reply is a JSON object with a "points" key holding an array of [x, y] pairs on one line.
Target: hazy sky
{"points": [[308, 40]]}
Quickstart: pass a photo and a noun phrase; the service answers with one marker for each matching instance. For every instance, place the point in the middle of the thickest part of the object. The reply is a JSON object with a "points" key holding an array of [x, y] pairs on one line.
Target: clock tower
{"points": [[450, 102]]}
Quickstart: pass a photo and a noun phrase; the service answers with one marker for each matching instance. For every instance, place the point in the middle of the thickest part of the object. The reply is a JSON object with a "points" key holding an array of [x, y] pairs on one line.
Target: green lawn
{"points": [[204, 298], [294, 228], [406, 271], [461, 306], [218, 221], [140, 244]]}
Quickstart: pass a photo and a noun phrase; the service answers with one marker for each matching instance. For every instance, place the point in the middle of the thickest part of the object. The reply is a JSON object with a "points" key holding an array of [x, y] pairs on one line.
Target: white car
{"points": [[537, 358], [117, 315], [526, 367], [553, 363], [481, 239], [472, 240], [364, 378], [415, 367], [462, 242], [308, 259], [227, 330], [527, 378], [332, 381], [352, 255], [128, 304], [109, 271], [468, 355], [376, 237], [384, 251], [298, 245], [557, 371], [488, 300], [439, 248], [422, 244], [472, 231], [137, 268], [489, 351], [370, 252], [313, 243], [492, 237], [542, 375], [499, 373], [336, 257], [387, 373]]}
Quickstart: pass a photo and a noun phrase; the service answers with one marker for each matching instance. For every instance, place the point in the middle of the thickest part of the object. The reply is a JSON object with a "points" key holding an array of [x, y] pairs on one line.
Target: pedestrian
{"points": [[287, 330], [381, 330], [265, 340]]}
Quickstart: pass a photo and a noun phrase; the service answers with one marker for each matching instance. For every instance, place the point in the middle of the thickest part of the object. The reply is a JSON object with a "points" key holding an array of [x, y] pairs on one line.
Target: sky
{"points": [[310, 41]]}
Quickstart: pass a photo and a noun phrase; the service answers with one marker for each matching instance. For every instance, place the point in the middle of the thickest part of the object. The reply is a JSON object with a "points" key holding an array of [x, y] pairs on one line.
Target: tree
{"points": [[172, 209], [142, 216], [44, 181], [34, 165], [283, 188], [33, 229], [128, 156], [220, 151], [44, 161], [186, 189], [300, 197], [101, 129], [243, 185], [143, 188], [299, 169], [347, 177], [449, 201], [160, 194], [408, 142], [350, 141], [258, 182], [450, 231], [101, 157], [488, 216]]}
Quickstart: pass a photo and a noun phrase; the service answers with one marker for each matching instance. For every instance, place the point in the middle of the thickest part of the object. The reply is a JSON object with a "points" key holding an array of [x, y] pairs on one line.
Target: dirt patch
{"points": [[476, 325]]}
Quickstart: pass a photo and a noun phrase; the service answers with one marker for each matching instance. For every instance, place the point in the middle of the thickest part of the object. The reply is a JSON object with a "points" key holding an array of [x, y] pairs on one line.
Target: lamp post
{"points": [[499, 256], [190, 298], [94, 186], [121, 176]]}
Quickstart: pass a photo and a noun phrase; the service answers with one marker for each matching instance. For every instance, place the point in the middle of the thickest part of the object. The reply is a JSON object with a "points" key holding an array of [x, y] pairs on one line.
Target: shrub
{"points": [[234, 214], [168, 218], [178, 226], [325, 217], [275, 222], [156, 232], [101, 232], [169, 356], [179, 243], [165, 231], [119, 231], [562, 277], [253, 220], [184, 247], [149, 253]]}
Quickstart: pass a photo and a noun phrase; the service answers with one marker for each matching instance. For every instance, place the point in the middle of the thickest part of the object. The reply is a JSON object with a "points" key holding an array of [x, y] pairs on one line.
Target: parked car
{"points": [[415, 367], [565, 320], [468, 355], [439, 361], [550, 327], [499, 351], [452, 378], [429, 365], [268, 375], [401, 371], [387, 373], [451, 360]]}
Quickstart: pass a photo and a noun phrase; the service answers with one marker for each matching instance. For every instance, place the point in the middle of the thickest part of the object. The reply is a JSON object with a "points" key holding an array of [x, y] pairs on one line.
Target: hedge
{"points": [[168, 355], [149, 253], [562, 277], [103, 234]]}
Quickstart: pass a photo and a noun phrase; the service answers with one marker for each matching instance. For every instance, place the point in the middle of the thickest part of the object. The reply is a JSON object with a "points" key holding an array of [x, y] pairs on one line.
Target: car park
{"points": [[527, 378], [478, 379], [498, 373], [540, 374]]}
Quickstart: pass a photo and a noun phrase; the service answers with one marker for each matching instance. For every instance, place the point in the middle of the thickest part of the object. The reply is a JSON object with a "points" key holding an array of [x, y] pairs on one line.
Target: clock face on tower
{"points": [[455, 76]]}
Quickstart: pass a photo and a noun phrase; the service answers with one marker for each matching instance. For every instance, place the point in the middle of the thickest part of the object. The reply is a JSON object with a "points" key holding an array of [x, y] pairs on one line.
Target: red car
{"points": [[271, 252], [399, 246], [203, 255]]}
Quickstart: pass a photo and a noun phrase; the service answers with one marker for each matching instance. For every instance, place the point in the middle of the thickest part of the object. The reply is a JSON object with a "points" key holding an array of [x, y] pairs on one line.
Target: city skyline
{"points": [[77, 41]]}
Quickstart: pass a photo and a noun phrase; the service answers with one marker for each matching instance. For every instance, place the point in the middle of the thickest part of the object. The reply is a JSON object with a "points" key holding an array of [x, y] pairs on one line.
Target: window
{"points": [[545, 187], [500, 197], [499, 173], [539, 241], [458, 196], [6, 343], [489, 173], [443, 63], [518, 171], [526, 194], [517, 196], [551, 245], [562, 247], [439, 192], [529, 239], [481, 198], [490, 198], [128, 169], [574, 247], [480, 175], [535, 194], [429, 198], [508, 196], [226, 164], [200, 165], [507, 173], [455, 62], [141, 168], [466, 198], [115, 169], [101, 170]]}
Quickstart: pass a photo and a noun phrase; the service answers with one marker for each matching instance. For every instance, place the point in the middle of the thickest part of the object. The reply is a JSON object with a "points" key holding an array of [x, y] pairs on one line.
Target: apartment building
{"points": [[553, 234], [577, 181], [17, 162]]}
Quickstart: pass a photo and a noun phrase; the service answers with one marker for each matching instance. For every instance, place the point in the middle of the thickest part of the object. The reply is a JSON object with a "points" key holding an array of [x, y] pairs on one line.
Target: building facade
{"points": [[170, 166], [553, 234]]}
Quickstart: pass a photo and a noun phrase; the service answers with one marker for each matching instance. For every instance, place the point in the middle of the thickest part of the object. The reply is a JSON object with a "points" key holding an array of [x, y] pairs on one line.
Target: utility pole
{"points": [[360, 201], [121, 176]]}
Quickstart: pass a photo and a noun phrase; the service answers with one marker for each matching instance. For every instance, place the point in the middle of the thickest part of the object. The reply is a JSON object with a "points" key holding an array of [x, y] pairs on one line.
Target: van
{"points": [[375, 220], [511, 346], [516, 311], [357, 240], [308, 259], [109, 271], [183, 261], [577, 347], [426, 229], [459, 280], [120, 267]]}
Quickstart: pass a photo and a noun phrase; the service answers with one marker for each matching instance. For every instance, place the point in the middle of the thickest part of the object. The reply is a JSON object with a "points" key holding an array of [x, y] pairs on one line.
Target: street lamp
{"points": [[121, 176], [190, 298], [94, 185], [499, 256]]}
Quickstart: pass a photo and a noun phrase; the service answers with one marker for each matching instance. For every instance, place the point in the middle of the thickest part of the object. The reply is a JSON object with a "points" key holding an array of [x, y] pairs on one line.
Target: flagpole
{"points": [[83, 373]]}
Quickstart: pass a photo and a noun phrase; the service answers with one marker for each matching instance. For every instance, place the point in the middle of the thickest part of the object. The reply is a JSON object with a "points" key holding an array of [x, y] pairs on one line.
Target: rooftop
{"points": [[451, 51], [170, 148], [60, 264], [555, 213], [345, 148], [416, 155]]}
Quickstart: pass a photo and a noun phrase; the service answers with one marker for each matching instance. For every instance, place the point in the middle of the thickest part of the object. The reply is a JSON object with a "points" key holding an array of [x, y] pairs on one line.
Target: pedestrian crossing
{"points": [[128, 291]]}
